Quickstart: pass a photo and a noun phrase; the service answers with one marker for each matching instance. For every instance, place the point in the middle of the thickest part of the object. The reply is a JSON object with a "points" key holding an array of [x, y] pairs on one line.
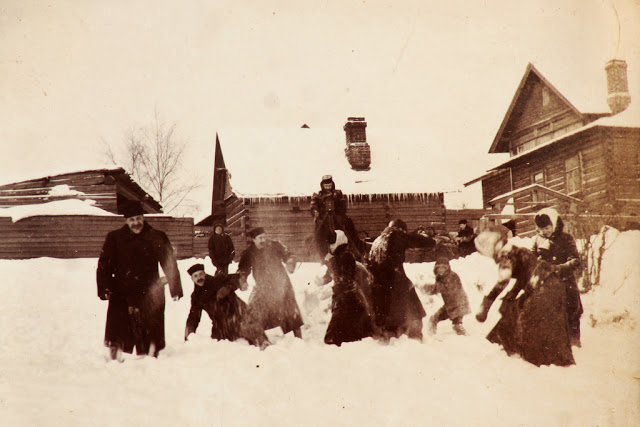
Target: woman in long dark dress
{"points": [[534, 321]]}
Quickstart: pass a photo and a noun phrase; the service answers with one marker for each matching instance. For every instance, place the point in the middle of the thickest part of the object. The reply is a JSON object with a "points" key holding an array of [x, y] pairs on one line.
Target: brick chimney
{"points": [[358, 151], [618, 96]]}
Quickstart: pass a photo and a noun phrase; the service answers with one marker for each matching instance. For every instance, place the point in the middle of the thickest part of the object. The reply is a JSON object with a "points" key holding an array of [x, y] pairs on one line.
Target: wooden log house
{"points": [[583, 160], [74, 234]]}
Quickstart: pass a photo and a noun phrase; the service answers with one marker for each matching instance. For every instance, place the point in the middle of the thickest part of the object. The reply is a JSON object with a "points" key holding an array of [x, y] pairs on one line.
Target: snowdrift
{"points": [[55, 370]]}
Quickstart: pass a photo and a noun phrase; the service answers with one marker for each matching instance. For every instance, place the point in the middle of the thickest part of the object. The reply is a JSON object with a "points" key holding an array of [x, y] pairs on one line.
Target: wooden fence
{"points": [[79, 236]]}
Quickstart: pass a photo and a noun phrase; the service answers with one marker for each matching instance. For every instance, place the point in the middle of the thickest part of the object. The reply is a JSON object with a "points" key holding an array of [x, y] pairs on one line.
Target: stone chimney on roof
{"points": [[618, 96], [358, 151]]}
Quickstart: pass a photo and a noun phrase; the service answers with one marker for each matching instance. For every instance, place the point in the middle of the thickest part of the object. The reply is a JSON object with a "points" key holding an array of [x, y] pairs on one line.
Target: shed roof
{"points": [[117, 172]]}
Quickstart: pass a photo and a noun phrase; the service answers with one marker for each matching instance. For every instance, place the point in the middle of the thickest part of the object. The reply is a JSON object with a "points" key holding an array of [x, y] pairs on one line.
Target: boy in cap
{"points": [[456, 303]]}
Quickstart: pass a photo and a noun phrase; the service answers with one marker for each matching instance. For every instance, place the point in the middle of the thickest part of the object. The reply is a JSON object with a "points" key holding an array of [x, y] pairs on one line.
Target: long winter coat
{"points": [[217, 297], [449, 286], [534, 322], [221, 250], [397, 307], [272, 300], [128, 276], [561, 250], [352, 316]]}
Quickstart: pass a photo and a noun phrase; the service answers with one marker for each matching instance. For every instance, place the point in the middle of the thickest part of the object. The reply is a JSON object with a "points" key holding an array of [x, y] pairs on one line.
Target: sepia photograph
{"points": [[320, 213]]}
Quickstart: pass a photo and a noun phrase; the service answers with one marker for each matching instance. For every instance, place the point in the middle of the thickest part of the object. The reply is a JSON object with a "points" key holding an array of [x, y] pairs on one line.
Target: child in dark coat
{"points": [[456, 303]]}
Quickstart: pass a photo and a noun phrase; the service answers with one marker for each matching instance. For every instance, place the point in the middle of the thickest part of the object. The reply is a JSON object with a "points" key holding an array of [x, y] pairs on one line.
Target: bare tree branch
{"points": [[152, 154]]}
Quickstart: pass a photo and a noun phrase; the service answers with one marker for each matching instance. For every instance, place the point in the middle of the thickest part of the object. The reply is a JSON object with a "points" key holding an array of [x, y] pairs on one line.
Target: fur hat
{"points": [[194, 268], [256, 232], [327, 179], [398, 223], [132, 208]]}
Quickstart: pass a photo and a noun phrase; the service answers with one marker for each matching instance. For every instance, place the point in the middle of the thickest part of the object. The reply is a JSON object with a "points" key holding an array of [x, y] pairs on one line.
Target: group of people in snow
{"points": [[372, 295]]}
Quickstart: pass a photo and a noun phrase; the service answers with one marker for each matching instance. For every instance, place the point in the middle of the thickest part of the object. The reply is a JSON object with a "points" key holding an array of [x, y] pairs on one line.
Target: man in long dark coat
{"points": [[555, 246], [397, 308], [329, 211], [228, 313], [272, 300], [221, 249], [128, 277]]}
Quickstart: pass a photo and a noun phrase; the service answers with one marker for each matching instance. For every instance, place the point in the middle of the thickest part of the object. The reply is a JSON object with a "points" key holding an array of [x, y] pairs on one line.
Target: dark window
{"points": [[573, 174]]}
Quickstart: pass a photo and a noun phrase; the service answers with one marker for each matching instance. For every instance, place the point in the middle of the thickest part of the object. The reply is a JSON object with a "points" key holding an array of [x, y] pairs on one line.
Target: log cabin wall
{"points": [[79, 236], [289, 220], [625, 168], [494, 185]]}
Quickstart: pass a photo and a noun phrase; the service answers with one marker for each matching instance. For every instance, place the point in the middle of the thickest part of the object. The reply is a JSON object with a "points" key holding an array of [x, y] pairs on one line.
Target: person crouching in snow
{"points": [[456, 303], [228, 313], [351, 312]]}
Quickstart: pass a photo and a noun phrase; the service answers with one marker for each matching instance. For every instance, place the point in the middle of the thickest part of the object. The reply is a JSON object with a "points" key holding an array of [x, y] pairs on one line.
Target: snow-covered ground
{"points": [[54, 370]]}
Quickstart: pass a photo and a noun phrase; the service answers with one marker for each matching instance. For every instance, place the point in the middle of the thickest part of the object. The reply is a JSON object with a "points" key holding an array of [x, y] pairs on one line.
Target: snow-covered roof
{"points": [[59, 207], [291, 162], [40, 173]]}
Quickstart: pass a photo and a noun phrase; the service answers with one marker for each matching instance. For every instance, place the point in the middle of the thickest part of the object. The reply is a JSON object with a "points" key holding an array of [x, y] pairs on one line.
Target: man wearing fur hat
{"points": [[228, 313], [128, 277], [272, 300], [329, 211], [553, 245]]}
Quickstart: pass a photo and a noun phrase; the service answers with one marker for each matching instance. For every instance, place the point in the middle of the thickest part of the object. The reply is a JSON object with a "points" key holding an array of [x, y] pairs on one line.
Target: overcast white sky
{"points": [[73, 73]]}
